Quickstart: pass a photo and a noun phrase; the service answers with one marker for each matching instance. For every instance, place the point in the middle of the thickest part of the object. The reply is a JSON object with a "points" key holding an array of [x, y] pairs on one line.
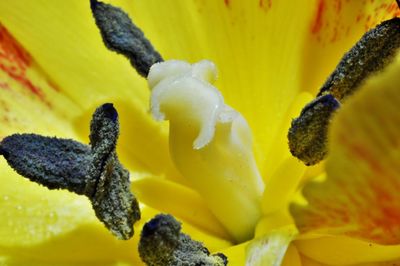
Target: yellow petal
{"points": [[63, 39], [272, 222], [212, 242], [236, 254], [278, 150], [29, 100], [343, 250], [282, 184], [333, 30], [180, 201]]}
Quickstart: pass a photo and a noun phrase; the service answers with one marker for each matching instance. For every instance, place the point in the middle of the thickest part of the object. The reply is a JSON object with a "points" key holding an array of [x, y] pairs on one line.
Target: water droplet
{"points": [[19, 207], [5, 197], [52, 216]]}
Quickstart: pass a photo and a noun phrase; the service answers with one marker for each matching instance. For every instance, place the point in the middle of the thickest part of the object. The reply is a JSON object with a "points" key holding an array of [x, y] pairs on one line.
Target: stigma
{"points": [[210, 142]]}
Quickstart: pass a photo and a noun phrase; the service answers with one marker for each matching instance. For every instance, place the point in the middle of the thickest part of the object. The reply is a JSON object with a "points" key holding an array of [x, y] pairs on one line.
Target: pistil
{"points": [[210, 142]]}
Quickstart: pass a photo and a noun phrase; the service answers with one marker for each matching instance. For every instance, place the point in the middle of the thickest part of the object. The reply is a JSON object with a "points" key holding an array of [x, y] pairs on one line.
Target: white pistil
{"points": [[210, 143]]}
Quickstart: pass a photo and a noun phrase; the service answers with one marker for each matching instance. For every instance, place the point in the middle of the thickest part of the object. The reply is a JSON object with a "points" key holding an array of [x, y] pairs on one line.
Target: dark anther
{"points": [[53, 162], [122, 36], [307, 134], [375, 50], [372, 53], [163, 244], [92, 170]]}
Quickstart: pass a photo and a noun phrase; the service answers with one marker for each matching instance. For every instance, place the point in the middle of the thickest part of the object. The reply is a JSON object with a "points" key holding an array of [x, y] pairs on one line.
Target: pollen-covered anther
{"points": [[92, 170], [121, 35], [307, 134], [108, 185], [210, 142], [163, 244]]}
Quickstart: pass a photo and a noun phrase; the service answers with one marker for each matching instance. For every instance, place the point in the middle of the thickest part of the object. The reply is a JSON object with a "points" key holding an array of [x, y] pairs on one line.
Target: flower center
{"points": [[210, 143]]}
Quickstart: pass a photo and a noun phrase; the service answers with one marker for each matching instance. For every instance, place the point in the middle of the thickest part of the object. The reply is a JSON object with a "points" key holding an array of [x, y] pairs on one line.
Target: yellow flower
{"points": [[270, 54]]}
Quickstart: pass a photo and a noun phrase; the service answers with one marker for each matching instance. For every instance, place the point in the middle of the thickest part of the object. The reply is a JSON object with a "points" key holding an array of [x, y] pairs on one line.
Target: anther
{"points": [[307, 133], [371, 54], [121, 35], [163, 244], [92, 170]]}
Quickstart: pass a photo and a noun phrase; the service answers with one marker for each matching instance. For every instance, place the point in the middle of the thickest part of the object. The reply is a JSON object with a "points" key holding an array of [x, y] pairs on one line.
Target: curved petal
{"points": [[335, 27], [343, 250], [282, 185]]}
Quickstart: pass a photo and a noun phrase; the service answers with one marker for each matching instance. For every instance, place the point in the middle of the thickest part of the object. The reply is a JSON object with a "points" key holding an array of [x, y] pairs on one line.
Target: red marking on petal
{"points": [[227, 2], [316, 26], [5, 86], [361, 153], [15, 62], [338, 6], [265, 4], [53, 85]]}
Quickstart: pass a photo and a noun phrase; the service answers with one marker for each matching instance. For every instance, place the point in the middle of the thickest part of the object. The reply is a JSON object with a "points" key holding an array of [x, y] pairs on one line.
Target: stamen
{"points": [[210, 143], [163, 244], [372, 53], [121, 35], [93, 170], [108, 186]]}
